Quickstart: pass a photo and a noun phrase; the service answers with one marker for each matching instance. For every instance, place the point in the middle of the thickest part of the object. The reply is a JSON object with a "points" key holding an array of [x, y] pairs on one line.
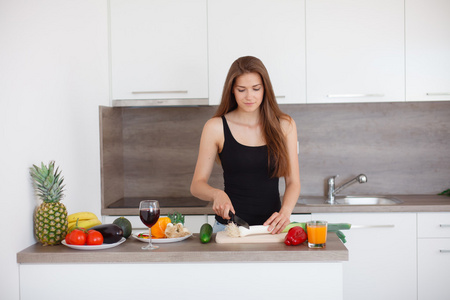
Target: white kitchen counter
{"points": [[190, 250]]}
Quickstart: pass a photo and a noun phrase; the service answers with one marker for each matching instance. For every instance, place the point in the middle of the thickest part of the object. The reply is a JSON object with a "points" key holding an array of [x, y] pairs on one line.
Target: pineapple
{"points": [[50, 220]]}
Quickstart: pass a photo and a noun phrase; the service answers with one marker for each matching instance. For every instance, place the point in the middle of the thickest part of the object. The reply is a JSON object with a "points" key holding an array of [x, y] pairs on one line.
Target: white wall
{"points": [[53, 77]]}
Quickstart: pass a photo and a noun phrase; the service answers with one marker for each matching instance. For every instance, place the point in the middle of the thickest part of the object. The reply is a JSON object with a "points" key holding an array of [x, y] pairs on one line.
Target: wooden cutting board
{"points": [[223, 238]]}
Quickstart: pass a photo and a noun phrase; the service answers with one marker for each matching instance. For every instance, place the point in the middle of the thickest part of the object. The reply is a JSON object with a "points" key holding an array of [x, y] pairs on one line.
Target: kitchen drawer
{"points": [[433, 225], [433, 269]]}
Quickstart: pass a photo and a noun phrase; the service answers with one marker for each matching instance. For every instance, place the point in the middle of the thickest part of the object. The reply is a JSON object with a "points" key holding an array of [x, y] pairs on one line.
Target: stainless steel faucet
{"points": [[332, 190]]}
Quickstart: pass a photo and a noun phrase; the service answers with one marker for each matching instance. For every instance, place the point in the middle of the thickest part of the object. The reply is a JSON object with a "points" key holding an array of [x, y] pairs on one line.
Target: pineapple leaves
{"points": [[44, 170], [51, 166], [48, 182]]}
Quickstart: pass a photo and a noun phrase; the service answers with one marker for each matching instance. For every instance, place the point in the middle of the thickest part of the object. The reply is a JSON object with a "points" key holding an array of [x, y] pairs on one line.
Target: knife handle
{"points": [[230, 213]]}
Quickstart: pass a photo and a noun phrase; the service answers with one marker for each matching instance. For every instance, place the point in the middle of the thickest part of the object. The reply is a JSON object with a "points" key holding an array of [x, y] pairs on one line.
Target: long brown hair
{"points": [[270, 113]]}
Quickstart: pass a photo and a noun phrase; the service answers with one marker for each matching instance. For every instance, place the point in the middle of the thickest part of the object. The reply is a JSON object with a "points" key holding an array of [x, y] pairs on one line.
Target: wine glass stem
{"points": [[150, 238]]}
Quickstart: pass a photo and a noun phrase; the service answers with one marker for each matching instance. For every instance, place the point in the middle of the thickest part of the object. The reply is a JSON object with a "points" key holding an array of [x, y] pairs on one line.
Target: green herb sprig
{"points": [[176, 217], [445, 193]]}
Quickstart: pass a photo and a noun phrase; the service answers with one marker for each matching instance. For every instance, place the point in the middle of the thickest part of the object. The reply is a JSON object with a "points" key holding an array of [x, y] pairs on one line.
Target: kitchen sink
{"points": [[352, 200], [349, 200]]}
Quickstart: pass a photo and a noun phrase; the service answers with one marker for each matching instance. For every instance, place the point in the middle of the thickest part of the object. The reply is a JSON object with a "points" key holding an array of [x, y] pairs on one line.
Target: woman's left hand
{"points": [[277, 222]]}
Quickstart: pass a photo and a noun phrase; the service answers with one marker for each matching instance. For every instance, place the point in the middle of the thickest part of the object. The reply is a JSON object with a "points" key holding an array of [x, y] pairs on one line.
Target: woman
{"points": [[256, 144]]}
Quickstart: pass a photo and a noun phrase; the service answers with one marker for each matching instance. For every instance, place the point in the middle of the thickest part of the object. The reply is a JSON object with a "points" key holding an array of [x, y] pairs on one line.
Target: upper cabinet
{"points": [[178, 52], [272, 30], [427, 50], [159, 50], [355, 51]]}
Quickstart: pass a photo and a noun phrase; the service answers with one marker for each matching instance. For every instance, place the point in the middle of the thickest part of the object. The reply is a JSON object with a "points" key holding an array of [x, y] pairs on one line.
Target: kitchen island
{"points": [[187, 269]]}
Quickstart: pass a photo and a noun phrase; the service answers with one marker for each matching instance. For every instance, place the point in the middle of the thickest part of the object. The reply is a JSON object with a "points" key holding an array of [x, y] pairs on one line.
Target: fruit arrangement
{"points": [[99, 234], [86, 229], [51, 222], [50, 219]]}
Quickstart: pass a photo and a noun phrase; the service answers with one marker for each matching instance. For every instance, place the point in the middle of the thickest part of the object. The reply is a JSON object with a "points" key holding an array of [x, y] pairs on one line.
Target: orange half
{"points": [[158, 230]]}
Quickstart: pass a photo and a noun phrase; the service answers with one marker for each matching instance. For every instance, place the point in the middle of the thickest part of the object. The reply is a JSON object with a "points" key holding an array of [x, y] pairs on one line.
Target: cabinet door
{"points": [[433, 269], [272, 30], [427, 50], [382, 260], [355, 51], [158, 49]]}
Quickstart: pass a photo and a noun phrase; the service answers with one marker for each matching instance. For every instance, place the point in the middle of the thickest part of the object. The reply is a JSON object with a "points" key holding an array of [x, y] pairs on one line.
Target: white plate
{"points": [[160, 241], [94, 247]]}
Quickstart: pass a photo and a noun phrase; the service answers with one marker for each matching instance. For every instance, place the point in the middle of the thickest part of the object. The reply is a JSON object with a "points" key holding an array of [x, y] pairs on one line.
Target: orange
{"points": [[160, 227]]}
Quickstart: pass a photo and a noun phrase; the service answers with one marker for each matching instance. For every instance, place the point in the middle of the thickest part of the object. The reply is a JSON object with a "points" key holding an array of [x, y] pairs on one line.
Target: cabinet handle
{"points": [[438, 94], [353, 95], [159, 92], [372, 226], [281, 96], [444, 251], [444, 225]]}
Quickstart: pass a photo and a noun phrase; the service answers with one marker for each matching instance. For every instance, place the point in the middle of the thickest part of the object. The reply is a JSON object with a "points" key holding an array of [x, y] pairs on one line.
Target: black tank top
{"points": [[253, 193]]}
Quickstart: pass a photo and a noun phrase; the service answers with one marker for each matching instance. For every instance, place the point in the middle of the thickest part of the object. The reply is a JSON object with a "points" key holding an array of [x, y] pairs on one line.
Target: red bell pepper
{"points": [[295, 236]]}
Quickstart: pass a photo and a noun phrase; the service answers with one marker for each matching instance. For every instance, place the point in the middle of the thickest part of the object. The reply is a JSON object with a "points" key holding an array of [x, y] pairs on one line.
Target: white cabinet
{"points": [[427, 50], [355, 51], [158, 49], [250, 280], [433, 256], [382, 260], [272, 30]]}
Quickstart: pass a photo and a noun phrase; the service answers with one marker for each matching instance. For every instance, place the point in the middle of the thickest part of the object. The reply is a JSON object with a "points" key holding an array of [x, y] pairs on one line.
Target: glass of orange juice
{"points": [[317, 233]]}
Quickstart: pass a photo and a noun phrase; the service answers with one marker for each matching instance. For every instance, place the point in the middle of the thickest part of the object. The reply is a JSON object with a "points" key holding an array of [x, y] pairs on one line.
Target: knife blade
{"points": [[238, 221]]}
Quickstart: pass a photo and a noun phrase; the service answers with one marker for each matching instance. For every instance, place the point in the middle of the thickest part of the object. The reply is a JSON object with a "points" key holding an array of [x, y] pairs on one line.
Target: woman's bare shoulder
{"points": [[288, 124], [213, 126], [214, 123]]}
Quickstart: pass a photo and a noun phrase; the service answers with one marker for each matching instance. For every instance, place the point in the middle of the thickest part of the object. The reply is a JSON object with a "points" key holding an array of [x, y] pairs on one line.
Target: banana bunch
{"points": [[85, 219]]}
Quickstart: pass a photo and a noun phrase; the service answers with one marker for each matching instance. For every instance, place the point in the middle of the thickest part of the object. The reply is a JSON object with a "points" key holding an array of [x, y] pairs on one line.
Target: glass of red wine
{"points": [[149, 214]]}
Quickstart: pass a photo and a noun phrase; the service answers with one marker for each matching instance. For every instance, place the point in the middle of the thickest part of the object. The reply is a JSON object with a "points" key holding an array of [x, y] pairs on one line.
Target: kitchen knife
{"points": [[235, 219]]}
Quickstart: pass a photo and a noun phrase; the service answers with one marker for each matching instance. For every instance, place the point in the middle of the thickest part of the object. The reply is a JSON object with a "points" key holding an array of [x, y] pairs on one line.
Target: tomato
{"points": [[76, 237], [94, 238]]}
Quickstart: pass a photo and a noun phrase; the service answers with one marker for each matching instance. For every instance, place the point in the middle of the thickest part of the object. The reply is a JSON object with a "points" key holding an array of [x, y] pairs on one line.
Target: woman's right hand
{"points": [[222, 205]]}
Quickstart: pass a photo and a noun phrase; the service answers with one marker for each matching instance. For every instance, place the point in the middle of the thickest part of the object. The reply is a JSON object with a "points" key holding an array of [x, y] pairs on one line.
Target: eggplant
{"points": [[111, 232]]}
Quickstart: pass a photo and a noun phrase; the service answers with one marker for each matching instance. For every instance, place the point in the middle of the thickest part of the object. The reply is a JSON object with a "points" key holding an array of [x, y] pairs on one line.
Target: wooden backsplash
{"points": [[403, 148]]}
